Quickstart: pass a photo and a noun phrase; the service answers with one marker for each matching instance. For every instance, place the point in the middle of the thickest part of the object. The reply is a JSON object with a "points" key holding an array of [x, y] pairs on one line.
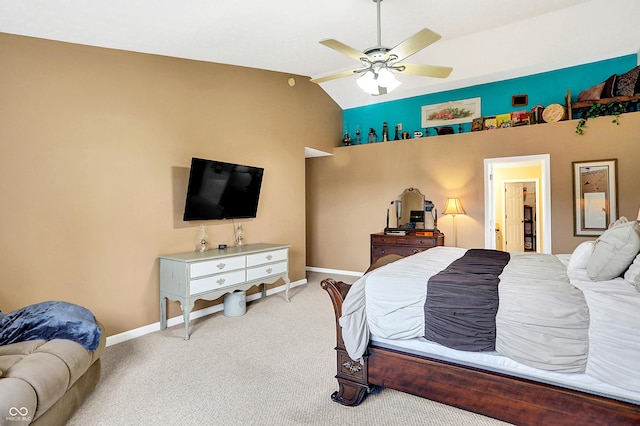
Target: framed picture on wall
{"points": [[477, 124], [595, 196], [454, 112]]}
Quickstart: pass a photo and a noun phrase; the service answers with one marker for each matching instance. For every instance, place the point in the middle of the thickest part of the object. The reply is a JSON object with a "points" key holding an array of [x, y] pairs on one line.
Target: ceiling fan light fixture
{"points": [[368, 82], [387, 79], [371, 81], [379, 62]]}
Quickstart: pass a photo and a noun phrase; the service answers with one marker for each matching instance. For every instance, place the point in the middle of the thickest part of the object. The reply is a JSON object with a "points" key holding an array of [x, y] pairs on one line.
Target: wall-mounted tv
{"points": [[219, 190]]}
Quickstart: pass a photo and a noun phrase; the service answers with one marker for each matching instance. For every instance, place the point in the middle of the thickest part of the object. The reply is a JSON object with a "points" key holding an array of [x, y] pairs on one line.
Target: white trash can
{"points": [[235, 304]]}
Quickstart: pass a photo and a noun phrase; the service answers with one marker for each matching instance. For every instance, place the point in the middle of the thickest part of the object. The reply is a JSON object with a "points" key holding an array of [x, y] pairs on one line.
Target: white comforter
{"points": [[614, 331], [389, 304], [393, 305]]}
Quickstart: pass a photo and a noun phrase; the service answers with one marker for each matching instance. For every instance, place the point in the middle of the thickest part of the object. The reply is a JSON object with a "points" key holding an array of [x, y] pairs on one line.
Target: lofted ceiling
{"points": [[483, 41]]}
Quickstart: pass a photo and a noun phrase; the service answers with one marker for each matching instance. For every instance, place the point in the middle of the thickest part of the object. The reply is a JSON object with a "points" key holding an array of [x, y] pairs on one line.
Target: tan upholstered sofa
{"points": [[44, 381]]}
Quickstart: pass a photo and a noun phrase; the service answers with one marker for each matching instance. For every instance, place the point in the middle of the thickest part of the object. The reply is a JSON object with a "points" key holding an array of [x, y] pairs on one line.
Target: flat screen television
{"points": [[219, 190]]}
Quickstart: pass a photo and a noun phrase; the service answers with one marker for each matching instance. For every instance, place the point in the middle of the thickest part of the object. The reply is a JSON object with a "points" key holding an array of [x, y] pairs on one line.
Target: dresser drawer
{"points": [[215, 282], [427, 242], [377, 252], [266, 257], [200, 269], [385, 239], [266, 270]]}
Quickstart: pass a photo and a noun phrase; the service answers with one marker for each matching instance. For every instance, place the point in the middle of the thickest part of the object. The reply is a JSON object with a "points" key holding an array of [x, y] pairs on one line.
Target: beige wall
{"points": [[348, 193], [95, 146]]}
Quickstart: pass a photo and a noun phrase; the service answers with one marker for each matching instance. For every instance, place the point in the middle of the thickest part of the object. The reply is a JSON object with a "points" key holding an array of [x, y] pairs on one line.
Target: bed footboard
{"points": [[503, 397], [352, 375]]}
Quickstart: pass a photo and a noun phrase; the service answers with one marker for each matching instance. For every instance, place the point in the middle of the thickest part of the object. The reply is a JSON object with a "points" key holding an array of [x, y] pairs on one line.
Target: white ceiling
{"points": [[483, 41]]}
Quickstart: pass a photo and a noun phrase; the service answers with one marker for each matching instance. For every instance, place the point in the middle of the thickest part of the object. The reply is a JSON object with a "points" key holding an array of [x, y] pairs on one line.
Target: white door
{"points": [[514, 217]]}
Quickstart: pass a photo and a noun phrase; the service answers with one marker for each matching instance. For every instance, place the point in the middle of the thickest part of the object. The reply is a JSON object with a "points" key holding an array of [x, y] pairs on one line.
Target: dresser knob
{"points": [[220, 265], [269, 270], [221, 281], [269, 257]]}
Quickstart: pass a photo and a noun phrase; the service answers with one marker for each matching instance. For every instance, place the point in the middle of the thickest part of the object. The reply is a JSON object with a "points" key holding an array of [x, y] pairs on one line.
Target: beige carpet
{"points": [[275, 365]]}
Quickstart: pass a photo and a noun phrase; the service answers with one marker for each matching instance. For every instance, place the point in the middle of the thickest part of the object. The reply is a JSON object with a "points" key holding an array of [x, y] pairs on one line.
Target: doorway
{"points": [[533, 173]]}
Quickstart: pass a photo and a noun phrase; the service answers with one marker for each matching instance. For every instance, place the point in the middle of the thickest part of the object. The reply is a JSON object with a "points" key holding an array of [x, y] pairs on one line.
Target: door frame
{"points": [[490, 164]]}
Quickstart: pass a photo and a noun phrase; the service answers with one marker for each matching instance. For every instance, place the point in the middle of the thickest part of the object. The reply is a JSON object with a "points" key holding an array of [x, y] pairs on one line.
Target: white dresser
{"points": [[187, 277]]}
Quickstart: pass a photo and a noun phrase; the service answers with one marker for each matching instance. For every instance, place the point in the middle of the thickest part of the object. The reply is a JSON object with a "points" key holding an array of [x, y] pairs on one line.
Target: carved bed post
{"points": [[352, 376]]}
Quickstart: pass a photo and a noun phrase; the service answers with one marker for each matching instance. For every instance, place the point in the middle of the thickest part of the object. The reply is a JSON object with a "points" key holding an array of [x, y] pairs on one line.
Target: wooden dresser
{"points": [[403, 245]]}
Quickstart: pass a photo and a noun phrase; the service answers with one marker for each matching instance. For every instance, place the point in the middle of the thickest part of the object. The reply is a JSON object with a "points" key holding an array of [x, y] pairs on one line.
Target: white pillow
{"points": [[580, 256], [621, 221], [614, 251], [633, 273]]}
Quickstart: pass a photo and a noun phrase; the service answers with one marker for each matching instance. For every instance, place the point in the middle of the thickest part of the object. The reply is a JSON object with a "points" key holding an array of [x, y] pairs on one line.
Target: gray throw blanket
{"points": [[462, 301]]}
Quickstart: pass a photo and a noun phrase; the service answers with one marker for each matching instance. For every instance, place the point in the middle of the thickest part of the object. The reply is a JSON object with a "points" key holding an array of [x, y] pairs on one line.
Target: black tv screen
{"points": [[219, 190]]}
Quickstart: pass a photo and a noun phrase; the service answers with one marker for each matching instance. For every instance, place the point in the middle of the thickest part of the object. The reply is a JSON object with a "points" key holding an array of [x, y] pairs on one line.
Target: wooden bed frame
{"points": [[504, 397]]}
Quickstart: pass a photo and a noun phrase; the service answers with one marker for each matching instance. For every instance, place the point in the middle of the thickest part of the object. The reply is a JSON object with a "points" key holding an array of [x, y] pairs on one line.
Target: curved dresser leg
{"points": [[163, 312], [287, 283], [186, 312]]}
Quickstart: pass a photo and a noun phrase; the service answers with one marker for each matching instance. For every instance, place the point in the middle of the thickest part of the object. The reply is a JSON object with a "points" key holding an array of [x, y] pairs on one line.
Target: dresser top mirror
{"points": [[407, 212]]}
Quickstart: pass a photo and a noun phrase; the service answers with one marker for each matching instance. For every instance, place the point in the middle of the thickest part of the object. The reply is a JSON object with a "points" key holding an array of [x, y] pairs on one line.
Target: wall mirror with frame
{"points": [[410, 211]]}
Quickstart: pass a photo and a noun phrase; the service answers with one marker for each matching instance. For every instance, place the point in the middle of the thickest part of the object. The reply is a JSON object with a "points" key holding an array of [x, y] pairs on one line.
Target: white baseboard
{"points": [[334, 271], [141, 331]]}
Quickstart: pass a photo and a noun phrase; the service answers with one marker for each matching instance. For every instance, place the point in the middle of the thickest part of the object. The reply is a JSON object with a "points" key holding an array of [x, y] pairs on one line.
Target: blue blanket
{"points": [[51, 320]]}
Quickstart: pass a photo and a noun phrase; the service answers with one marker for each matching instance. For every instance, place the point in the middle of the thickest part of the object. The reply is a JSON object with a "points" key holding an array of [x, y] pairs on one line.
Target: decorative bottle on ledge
{"points": [[372, 135], [346, 140]]}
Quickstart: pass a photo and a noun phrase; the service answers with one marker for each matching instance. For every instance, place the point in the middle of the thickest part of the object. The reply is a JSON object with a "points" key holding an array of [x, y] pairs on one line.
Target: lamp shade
{"points": [[453, 207], [387, 79], [368, 83], [371, 81]]}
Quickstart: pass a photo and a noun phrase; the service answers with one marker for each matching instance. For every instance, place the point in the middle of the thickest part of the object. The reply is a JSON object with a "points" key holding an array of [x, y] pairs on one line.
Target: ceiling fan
{"points": [[379, 62]]}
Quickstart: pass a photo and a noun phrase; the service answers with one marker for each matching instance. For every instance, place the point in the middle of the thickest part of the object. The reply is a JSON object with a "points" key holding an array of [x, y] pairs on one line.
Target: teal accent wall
{"points": [[544, 89]]}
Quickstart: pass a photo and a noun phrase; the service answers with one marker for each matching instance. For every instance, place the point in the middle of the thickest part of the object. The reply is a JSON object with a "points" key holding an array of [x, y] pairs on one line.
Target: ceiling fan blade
{"points": [[343, 48], [426, 70], [333, 76], [413, 44]]}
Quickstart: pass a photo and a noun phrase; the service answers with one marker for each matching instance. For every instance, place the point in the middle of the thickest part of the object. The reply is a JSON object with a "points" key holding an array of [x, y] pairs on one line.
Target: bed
{"points": [[562, 348]]}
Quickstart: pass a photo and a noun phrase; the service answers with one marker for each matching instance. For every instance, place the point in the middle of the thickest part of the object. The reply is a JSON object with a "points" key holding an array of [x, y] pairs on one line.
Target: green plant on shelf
{"points": [[613, 108]]}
